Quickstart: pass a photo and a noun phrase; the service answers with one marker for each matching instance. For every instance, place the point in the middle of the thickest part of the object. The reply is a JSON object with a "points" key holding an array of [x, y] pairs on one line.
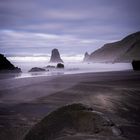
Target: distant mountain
{"points": [[55, 57], [125, 50]]}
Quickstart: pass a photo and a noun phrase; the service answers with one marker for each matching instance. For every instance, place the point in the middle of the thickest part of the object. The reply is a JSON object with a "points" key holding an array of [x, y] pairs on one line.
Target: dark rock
{"points": [[50, 67], [71, 120], [7, 66], [55, 56], [86, 57], [136, 64], [36, 69], [59, 65]]}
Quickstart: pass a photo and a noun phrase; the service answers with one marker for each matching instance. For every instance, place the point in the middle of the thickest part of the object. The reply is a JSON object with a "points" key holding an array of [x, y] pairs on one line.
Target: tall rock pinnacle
{"points": [[86, 57], [55, 57]]}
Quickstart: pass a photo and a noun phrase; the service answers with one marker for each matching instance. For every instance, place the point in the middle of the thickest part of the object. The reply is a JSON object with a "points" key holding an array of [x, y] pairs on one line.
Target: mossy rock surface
{"points": [[70, 121]]}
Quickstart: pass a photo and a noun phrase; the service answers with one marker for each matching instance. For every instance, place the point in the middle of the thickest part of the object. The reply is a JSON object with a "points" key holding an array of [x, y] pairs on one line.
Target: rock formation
{"points": [[7, 66], [50, 67], [86, 57], [125, 50], [59, 65], [36, 69], [136, 65], [55, 57], [74, 122]]}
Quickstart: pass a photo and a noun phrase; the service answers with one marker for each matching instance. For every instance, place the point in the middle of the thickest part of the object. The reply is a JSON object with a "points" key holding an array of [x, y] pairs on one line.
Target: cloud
{"points": [[31, 43], [63, 14], [44, 26], [70, 25], [17, 14]]}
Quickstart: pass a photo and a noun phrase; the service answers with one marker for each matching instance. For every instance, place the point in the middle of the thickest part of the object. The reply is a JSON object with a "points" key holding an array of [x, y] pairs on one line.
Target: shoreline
{"points": [[24, 102], [73, 68], [9, 76]]}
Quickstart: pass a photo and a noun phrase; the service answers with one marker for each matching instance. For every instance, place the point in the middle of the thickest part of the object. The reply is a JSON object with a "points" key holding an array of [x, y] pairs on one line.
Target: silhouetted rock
{"points": [[125, 50], [55, 56], [36, 69], [136, 64], [50, 67], [72, 120], [7, 66], [59, 65], [86, 57]]}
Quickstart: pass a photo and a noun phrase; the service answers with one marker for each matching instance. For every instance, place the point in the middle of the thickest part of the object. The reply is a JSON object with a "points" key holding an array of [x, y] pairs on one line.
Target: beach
{"points": [[25, 101]]}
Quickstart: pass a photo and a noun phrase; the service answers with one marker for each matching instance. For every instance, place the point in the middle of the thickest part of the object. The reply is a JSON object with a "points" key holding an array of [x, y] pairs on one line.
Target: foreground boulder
{"points": [[136, 64], [36, 69], [59, 65], [74, 122], [7, 66], [55, 57]]}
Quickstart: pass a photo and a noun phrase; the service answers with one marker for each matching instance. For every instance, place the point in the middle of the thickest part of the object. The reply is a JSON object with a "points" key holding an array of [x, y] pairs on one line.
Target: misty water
{"points": [[70, 67]]}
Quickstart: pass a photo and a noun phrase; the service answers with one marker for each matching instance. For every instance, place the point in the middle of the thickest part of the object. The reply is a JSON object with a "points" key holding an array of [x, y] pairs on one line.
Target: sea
{"points": [[71, 66]]}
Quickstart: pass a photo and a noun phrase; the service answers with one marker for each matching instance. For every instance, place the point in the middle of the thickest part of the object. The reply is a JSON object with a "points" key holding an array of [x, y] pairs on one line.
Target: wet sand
{"points": [[24, 102]]}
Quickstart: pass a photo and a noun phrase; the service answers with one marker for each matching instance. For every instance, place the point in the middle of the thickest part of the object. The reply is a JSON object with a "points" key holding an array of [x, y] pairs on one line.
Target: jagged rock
{"points": [[86, 57], [59, 65], [36, 69], [72, 121], [136, 65], [55, 56], [7, 66]]}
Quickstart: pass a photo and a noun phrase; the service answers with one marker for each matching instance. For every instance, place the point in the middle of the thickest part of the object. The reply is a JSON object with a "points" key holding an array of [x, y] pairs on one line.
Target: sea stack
{"points": [[7, 66], [86, 57], [55, 57]]}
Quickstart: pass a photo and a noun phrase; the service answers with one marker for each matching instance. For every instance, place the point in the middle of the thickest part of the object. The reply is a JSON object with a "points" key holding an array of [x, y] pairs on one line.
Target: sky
{"points": [[35, 27]]}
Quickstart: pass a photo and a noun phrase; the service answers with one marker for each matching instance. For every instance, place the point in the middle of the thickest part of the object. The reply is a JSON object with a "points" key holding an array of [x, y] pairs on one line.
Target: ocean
{"points": [[71, 66]]}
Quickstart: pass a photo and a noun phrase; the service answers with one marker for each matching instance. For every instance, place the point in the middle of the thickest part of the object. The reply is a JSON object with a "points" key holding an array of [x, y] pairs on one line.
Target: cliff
{"points": [[7, 66], [125, 50]]}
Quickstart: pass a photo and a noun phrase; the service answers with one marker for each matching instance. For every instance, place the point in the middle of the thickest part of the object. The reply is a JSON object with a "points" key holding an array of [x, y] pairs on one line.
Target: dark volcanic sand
{"points": [[24, 102]]}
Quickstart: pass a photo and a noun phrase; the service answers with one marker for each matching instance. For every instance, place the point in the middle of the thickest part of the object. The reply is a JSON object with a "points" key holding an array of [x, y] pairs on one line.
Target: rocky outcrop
{"points": [[74, 122], [125, 50], [36, 69], [55, 57], [59, 65], [50, 67], [7, 66], [136, 65], [86, 57]]}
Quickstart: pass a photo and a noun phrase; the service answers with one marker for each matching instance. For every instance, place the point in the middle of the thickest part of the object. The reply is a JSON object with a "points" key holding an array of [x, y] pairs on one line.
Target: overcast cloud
{"points": [[73, 26]]}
